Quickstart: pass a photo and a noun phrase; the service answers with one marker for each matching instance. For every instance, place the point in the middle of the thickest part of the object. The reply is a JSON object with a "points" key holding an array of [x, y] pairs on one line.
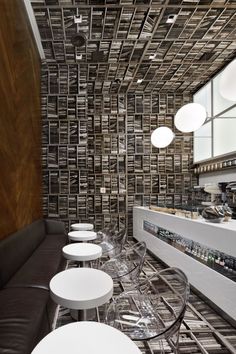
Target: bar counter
{"points": [[193, 246]]}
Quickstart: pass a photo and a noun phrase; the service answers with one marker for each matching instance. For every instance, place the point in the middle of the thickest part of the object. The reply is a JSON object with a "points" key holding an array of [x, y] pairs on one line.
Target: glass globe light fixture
{"points": [[227, 84], [162, 137], [190, 117]]}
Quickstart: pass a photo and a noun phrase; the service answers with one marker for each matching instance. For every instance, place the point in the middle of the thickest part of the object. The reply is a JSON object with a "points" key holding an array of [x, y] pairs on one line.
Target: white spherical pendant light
{"points": [[190, 117], [162, 137], [227, 84]]}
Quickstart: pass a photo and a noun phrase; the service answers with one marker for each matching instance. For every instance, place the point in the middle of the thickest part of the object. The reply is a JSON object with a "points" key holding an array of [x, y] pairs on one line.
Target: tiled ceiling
{"points": [[123, 35]]}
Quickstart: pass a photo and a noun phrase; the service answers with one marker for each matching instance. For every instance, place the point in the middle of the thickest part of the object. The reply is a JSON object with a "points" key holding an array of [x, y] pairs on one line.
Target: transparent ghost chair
{"points": [[127, 265], [114, 244], [154, 309], [107, 231]]}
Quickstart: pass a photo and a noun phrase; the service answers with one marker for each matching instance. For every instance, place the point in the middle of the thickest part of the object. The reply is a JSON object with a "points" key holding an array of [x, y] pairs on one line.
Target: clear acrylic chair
{"points": [[112, 242], [106, 232], [127, 265], [113, 245], [154, 309]]}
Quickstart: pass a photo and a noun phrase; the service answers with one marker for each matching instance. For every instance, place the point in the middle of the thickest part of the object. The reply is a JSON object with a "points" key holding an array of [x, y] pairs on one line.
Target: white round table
{"points": [[82, 227], [82, 235], [81, 288], [82, 252], [86, 338]]}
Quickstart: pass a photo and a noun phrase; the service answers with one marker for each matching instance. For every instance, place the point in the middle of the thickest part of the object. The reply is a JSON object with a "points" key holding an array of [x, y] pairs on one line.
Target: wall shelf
{"points": [[95, 141]]}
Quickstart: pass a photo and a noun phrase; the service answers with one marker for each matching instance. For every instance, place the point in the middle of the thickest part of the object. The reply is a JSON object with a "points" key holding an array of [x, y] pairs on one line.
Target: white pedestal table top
{"points": [[82, 251], [86, 337], [82, 235], [81, 288], [82, 226]]}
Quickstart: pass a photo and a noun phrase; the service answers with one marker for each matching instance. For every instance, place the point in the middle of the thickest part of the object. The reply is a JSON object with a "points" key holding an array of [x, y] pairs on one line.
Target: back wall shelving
{"points": [[94, 141]]}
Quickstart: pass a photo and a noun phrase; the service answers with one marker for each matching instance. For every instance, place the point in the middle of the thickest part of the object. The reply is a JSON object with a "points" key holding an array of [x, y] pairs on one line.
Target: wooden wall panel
{"points": [[20, 121]]}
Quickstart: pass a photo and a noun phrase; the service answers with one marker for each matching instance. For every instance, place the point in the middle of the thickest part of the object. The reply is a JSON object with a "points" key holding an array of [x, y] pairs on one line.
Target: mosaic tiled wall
{"points": [[103, 141]]}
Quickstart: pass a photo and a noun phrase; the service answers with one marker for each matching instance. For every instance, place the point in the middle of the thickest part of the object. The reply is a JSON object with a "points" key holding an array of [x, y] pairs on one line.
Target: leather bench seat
{"points": [[29, 259], [18, 247], [23, 311], [41, 266]]}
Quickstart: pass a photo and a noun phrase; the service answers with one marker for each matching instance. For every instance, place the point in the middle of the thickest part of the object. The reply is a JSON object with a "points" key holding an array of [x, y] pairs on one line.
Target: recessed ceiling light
{"points": [[152, 56], [78, 19], [78, 56], [171, 18], [139, 81]]}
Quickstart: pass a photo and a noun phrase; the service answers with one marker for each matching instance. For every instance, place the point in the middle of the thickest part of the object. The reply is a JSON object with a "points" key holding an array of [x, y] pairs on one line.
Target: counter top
{"points": [[229, 225], [220, 236]]}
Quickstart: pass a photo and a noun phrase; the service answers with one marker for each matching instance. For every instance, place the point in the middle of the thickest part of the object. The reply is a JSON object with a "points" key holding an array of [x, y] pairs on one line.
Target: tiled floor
{"points": [[203, 330]]}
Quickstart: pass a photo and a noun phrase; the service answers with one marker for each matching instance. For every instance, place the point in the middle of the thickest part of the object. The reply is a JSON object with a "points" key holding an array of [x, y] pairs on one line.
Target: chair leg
{"points": [[177, 343], [162, 350], [174, 343]]}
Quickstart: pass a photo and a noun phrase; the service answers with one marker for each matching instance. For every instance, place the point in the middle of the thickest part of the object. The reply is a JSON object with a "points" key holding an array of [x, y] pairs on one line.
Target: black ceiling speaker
{"points": [[98, 55], [79, 40], [117, 81]]}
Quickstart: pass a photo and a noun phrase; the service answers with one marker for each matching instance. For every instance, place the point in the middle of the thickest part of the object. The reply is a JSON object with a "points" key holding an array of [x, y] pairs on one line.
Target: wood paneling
{"points": [[20, 122]]}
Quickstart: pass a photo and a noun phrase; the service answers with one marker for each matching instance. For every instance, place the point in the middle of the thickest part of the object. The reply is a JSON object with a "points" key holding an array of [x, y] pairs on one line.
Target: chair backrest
{"points": [[138, 252], [155, 309], [172, 289], [106, 233], [119, 237], [113, 244], [134, 258], [110, 228], [127, 265]]}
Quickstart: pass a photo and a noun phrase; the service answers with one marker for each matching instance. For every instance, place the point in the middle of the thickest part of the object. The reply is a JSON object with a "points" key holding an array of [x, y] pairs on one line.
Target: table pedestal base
{"points": [[79, 315], [84, 315]]}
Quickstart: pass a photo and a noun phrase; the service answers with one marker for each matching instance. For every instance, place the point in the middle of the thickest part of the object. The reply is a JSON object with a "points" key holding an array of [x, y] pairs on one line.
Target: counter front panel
{"points": [[206, 253]]}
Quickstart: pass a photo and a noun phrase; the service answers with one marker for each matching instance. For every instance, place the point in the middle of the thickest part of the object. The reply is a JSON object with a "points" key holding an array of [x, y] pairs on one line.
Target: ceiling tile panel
{"points": [[121, 41]]}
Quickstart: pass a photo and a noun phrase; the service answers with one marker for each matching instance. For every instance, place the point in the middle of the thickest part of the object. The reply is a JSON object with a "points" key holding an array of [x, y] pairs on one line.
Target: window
{"points": [[217, 136], [202, 147]]}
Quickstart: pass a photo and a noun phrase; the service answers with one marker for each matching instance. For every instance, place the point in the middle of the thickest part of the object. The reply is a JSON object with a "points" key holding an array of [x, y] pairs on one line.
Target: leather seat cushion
{"points": [[17, 248], [53, 242], [23, 319], [42, 265]]}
